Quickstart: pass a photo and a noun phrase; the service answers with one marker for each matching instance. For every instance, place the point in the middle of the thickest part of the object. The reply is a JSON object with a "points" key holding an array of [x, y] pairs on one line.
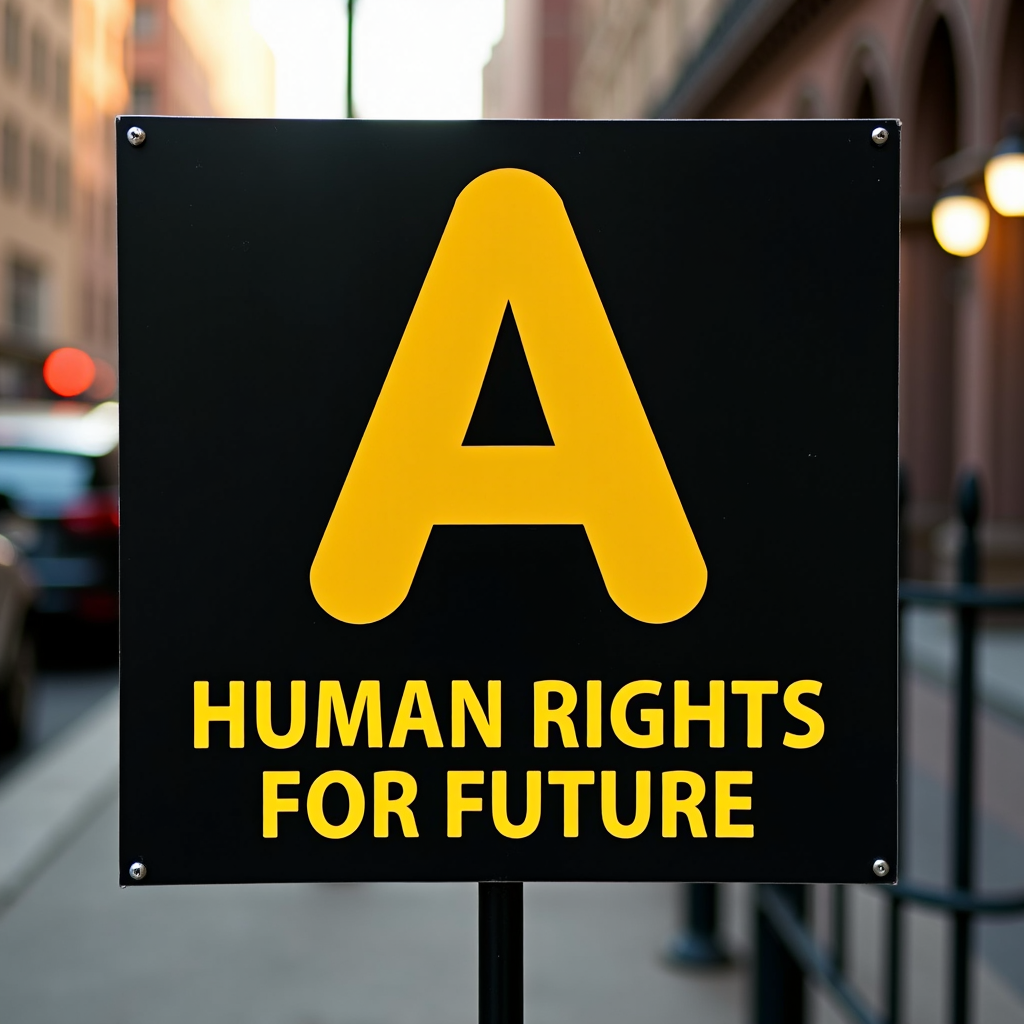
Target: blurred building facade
{"points": [[200, 58], [632, 50], [69, 67], [953, 71], [36, 236], [100, 72], [532, 69]]}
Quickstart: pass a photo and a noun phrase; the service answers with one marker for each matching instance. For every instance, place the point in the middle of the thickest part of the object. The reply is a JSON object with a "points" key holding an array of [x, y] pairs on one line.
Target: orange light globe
{"points": [[68, 371]]}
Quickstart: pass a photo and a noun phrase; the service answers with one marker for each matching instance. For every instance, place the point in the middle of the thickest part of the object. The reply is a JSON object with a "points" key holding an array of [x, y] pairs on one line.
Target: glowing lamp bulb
{"points": [[1004, 177], [68, 371], [960, 223]]}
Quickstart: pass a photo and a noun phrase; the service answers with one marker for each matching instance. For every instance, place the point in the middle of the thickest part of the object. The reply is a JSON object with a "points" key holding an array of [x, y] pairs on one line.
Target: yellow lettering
{"points": [[233, 713], [726, 803], [571, 782], [264, 723], [464, 698], [508, 239], [672, 806], [713, 713], [654, 717], [755, 691], [416, 695], [315, 804], [332, 700], [499, 805], [609, 814], [802, 713], [458, 803], [274, 804], [384, 804], [593, 712], [545, 716]]}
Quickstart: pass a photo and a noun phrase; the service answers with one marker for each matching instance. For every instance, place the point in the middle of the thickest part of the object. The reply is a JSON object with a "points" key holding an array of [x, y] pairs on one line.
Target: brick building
{"points": [[200, 58], [67, 69], [953, 71], [36, 250], [99, 93], [532, 68]]}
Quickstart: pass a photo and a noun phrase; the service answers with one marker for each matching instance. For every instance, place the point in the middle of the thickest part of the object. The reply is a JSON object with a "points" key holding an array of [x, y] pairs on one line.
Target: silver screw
{"points": [[880, 867], [136, 136], [138, 870], [880, 136]]}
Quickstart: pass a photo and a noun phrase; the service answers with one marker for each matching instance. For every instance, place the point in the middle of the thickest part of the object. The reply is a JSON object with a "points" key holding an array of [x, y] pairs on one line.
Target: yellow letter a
{"points": [[508, 240]]}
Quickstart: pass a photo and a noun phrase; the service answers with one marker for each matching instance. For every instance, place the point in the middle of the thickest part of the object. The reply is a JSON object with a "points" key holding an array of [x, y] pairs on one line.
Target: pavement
{"points": [[930, 642], [74, 947]]}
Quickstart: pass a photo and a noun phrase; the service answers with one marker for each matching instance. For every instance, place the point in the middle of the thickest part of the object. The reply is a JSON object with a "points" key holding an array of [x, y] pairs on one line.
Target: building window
{"points": [[62, 83], [26, 292], [40, 56], [12, 37], [37, 173], [88, 310], [109, 222], [62, 188], [146, 23], [109, 317], [143, 98], [87, 207], [12, 156]]}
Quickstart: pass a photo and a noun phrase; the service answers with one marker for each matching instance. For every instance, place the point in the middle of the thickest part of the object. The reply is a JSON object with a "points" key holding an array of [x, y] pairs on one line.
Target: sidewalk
{"points": [[77, 949], [930, 644]]}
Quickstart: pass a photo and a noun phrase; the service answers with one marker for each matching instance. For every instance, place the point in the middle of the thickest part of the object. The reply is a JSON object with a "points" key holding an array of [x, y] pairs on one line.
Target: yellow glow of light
{"points": [[960, 224], [1004, 183]]}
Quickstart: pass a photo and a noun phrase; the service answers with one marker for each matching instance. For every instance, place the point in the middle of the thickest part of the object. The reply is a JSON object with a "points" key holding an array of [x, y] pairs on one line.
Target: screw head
{"points": [[136, 136], [137, 871], [880, 867], [880, 136]]}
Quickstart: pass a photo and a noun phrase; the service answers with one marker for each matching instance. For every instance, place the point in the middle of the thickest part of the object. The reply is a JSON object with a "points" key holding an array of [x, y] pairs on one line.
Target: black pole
{"points": [[778, 989], [501, 952], [697, 943], [838, 926], [963, 819], [349, 103]]}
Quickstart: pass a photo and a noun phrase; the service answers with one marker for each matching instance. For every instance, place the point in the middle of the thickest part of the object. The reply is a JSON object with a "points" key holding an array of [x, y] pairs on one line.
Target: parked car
{"points": [[17, 650], [58, 482]]}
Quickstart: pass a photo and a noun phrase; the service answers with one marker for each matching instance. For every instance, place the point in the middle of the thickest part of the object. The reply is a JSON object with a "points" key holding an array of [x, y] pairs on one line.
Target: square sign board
{"points": [[508, 500]]}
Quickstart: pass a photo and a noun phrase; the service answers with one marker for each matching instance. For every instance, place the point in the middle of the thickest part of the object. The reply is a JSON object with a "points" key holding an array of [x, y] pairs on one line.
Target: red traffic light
{"points": [[68, 371]]}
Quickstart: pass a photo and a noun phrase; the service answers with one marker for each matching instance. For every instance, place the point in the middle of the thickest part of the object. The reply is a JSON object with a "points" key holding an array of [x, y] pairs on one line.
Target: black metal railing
{"points": [[787, 953]]}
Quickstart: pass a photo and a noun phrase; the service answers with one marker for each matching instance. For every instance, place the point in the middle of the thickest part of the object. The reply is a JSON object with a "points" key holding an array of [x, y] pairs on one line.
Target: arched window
{"points": [[929, 290], [865, 105]]}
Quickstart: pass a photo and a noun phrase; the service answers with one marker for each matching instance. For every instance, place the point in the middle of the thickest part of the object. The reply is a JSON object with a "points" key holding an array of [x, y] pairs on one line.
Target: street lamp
{"points": [[960, 218], [960, 222], [1004, 177]]}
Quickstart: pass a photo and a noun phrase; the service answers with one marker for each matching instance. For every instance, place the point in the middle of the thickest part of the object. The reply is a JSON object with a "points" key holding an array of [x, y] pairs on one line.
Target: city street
{"points": [[465, 462]]}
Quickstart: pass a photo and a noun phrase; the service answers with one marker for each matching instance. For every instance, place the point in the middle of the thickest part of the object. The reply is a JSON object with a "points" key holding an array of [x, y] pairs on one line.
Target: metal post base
{"points": [[697, 943]]}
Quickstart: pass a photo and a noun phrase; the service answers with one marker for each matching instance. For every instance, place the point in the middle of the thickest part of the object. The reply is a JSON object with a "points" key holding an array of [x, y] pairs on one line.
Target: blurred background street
{"points": [[75, 948]]}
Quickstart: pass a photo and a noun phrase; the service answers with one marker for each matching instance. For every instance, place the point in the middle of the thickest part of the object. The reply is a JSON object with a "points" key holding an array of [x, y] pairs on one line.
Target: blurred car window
{"points": [[42, 484]]}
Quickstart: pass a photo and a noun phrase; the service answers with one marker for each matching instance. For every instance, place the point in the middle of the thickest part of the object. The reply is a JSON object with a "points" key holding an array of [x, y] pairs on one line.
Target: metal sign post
{"points": [[501, 952]]}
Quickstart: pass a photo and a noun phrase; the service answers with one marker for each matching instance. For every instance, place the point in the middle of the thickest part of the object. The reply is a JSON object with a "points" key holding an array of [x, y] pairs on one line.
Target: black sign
{"points": [[508, 500]]}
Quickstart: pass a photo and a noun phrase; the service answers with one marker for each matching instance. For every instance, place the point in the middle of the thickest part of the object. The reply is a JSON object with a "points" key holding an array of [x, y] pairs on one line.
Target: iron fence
{"points": [[787, 953]]}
